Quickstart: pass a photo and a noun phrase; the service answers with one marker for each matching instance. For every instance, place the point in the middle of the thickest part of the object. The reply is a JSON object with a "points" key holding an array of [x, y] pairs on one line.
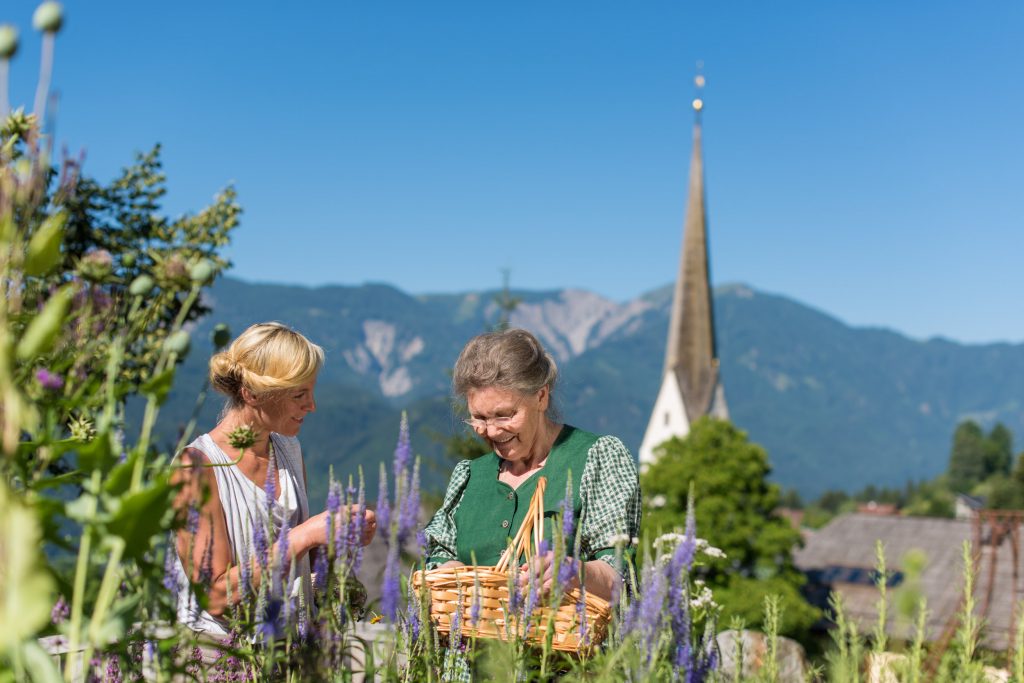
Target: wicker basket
{"points": [[456, 589]]}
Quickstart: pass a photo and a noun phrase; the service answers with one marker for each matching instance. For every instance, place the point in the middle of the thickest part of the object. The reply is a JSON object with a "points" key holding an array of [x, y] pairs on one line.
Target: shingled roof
{"points": [[841, 557]]}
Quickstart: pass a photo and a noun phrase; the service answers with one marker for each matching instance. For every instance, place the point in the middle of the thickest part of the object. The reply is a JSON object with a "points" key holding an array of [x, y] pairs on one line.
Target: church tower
{"points": [[691, 386]]}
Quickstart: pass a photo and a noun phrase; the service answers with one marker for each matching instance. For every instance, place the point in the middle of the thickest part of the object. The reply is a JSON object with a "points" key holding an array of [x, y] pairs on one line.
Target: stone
{"points": [[791, 660]]}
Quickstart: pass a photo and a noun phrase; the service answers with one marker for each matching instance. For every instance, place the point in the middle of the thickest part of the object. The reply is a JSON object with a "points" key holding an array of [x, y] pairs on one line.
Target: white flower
{"points": [[619, 539], [658, 501], [702, 599], [712, 551]]}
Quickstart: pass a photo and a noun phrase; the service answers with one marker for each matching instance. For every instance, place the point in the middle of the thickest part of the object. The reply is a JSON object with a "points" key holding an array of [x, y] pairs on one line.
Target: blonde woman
{"points": [[268, 375]]}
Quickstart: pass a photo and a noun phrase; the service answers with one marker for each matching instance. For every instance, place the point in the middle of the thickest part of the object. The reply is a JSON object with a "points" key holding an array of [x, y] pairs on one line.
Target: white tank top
{"points": [[244, 503]]}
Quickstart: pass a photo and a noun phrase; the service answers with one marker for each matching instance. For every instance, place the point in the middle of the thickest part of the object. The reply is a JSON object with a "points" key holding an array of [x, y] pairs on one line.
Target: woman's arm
{"points": [[441, 532], [204, 545]]}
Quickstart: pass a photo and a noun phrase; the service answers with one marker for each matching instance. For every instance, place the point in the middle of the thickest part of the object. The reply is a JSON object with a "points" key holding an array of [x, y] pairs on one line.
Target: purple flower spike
{"points": [[333, 497], [269, 486], [412, 619], [383, 504], [320, 571], [409, 518], [403, 451], [390, 588], [245, 571], [259, 543], [48, 380], [60, 611], [568, 515], [170, 569]]}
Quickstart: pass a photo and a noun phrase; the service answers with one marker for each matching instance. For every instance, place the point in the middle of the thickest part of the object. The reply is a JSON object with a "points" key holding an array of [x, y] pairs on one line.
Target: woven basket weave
{"points": [[456, 589]]}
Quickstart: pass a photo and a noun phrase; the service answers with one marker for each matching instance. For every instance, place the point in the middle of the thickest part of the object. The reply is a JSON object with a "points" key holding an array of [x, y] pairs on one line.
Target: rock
{"points": [[791, 661]]}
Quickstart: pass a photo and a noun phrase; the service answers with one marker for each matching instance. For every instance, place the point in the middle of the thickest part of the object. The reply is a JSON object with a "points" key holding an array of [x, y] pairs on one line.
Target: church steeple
{"points": [[691, 386]]}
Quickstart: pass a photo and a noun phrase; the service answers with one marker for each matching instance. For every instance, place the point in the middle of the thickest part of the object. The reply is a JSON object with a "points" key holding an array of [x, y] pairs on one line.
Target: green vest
{"points": [[491, 511]]}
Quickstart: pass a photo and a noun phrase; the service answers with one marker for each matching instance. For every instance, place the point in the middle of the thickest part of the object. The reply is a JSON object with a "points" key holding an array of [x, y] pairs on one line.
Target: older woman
{"points": [[506, 379], [268, 375]]}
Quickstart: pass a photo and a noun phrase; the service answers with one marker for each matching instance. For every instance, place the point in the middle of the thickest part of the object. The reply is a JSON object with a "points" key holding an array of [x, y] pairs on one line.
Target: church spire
{"points": [[691, 386]]}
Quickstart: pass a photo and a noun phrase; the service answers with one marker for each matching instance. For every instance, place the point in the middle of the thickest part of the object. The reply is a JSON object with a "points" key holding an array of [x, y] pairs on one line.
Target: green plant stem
{"points": [[108, 589], [78, 591]]}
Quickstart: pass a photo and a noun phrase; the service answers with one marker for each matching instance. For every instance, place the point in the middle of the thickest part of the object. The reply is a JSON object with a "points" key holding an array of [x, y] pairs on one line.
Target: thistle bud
{"points": [[221, 335], [178, 343], [96, 265], [141, 286], [128, 259], [203, 271], [8, 41], [48, 17]]}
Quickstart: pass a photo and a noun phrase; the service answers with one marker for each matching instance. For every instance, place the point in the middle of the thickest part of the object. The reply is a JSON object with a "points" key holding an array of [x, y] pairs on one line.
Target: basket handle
{"points": [[533, 522]]}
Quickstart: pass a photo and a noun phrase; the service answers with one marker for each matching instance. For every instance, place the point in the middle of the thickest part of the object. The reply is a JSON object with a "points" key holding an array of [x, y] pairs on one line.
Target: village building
{"points": [[691, 385], [840, 557]]}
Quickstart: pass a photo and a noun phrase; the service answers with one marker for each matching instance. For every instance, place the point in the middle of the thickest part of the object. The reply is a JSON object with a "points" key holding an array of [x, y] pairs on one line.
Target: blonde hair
{"points": [[266, 359], [509, 359]]}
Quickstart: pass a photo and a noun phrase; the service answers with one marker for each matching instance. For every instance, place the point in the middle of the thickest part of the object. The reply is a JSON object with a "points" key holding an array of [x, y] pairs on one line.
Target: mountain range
{"points": [[835, 406]]}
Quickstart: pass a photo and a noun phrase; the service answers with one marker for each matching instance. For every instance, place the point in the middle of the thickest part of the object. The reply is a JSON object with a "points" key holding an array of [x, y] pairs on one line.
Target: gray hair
{"points": [[510, 359]]}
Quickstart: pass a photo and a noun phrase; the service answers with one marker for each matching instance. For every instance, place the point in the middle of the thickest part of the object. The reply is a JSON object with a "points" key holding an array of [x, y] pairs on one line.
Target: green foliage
{"points": [[735, 507]]}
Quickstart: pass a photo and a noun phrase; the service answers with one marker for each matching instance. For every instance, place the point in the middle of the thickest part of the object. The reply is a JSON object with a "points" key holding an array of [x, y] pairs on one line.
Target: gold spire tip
{"points": [[698, 104], [699, 81]]}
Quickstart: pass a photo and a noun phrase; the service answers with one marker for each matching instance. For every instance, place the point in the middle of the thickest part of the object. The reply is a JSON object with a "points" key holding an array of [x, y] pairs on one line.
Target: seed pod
{"points": [[141, 286], [202, 271], [178, 342], [8, 41], [48, 17], [128, 259], [43, 251], [44, 328]]}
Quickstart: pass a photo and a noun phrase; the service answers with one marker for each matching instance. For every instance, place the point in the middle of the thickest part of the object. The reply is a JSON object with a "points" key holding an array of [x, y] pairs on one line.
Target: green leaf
{"points": [[44, 328], [26, 589], [120, 478], [143, 515], [82, 509], [159, 386], [43, 251], [98, 454]]}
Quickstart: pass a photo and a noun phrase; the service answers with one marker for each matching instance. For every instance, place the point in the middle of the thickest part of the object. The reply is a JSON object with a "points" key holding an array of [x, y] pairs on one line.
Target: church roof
{"points": [[691, 352]]}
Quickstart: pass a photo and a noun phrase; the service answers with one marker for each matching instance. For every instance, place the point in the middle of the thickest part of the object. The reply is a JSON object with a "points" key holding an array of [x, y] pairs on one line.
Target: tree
{"points": [[967, 457], [999, 450], [734, 507]]}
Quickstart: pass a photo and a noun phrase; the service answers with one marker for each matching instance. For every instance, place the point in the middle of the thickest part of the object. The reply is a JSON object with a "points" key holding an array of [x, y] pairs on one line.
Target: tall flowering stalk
{"points": [[398, 517]]}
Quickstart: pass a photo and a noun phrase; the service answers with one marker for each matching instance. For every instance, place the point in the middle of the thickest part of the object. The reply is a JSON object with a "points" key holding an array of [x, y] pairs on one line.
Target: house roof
{"points": [[841, 557]]}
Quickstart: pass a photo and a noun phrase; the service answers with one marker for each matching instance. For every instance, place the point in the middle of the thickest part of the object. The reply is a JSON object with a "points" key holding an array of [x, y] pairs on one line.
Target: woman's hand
{"points": [[313, 532], [542, 567]]}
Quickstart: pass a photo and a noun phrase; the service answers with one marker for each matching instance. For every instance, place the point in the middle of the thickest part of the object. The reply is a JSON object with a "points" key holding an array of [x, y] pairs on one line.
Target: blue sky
{"points": [[864, 158]]}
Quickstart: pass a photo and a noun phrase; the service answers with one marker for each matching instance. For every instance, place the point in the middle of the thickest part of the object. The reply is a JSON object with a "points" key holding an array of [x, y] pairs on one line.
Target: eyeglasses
{"points": [[499, 422]]}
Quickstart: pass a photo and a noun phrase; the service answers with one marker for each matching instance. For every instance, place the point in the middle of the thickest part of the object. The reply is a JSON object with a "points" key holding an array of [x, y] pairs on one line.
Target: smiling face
{"points": [[285, 413], [524, 437]]}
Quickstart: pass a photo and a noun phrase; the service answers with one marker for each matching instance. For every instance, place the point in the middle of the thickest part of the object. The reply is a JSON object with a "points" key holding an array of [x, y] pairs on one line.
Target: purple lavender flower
{"points": [[170, 581], [412, 618], [568, 514], [333, 497], [567, 572], [403, 451], [245, 570], [270, 625], [581, 616], [515, 596], [60, 611], [409, 518], [269, 486], [284, 558], [192, 523], [113, 671], [357, 556], [455, 637], [390, 587], [644, 615], [320, 570], [259, 543], [48, 380], [383, 504]]}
